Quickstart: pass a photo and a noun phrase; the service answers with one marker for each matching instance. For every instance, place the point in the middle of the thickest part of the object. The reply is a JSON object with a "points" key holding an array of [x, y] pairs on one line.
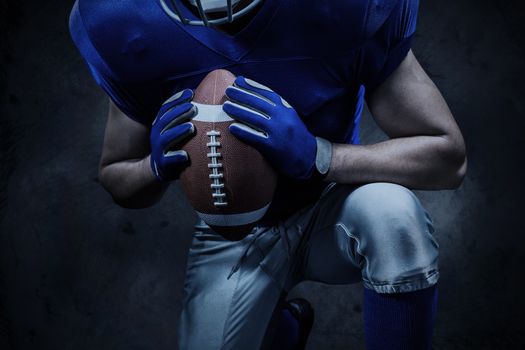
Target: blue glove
{"points": [[170, 127], [269, 124]]}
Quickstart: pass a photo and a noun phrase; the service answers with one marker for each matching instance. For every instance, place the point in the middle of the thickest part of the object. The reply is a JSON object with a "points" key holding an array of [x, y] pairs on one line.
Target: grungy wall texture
{"points": [[79, 272]]}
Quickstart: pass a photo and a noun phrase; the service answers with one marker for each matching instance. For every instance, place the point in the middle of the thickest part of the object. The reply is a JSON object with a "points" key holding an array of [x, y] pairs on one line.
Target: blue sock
{"points": [[287, 332], [402, 321]]}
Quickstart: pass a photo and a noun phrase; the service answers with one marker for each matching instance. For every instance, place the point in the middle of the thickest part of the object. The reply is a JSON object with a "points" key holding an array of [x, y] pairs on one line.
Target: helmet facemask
{"points": [[172, 9], [213, 6]]}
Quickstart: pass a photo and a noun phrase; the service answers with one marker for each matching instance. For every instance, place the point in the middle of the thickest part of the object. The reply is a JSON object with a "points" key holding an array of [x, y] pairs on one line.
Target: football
{"points": [[229, 183]]}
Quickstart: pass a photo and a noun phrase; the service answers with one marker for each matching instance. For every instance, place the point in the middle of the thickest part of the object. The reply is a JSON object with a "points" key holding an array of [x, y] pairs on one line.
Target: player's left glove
{"points": [[268, 123]]}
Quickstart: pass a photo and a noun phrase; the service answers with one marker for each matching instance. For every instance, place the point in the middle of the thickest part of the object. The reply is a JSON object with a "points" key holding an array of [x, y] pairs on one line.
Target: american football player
{"points": [[343, 212]]}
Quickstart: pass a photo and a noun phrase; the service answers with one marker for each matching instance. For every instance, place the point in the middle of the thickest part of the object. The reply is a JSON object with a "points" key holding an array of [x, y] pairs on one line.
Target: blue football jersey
{"points": [[321, 56]]}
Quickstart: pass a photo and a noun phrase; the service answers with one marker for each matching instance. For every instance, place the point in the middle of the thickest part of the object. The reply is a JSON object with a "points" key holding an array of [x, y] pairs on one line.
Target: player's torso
{"points": [[305, 50], [308, 51]]}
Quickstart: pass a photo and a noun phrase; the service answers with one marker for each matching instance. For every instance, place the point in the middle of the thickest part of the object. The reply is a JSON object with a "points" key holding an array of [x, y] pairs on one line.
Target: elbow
{"points": [[462, 171], [457, 166], [457, 175], [120, 197], [105, 179]]}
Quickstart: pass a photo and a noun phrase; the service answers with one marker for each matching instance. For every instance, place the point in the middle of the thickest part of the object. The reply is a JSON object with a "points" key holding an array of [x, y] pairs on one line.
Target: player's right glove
{"points": [[170, 127]]}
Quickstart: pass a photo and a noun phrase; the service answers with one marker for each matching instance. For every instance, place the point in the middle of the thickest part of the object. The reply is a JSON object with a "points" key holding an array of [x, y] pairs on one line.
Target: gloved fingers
{"points": [[170, 165], [250, 99], [253, 86], [246, 115], [248, 135], [176, 157], [176, 116], [173, 136], [178, 98], [179, 118]]}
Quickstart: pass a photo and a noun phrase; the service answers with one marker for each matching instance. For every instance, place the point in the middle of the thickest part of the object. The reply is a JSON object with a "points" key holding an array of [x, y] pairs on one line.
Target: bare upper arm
{"points": [[124, 138], [408, 103]]}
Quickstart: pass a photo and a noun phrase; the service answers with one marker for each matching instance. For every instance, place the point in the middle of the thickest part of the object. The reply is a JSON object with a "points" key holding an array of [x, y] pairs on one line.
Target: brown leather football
{"points": [[227, 182]]}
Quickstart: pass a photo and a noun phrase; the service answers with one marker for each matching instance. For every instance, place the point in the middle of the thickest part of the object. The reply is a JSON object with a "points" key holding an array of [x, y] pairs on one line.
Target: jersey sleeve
{"points": [[137, 101], [385, 51]]}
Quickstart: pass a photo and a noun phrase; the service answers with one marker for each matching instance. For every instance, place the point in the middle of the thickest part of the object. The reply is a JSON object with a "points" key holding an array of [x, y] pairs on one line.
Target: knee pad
{"points": [[390, 235]]}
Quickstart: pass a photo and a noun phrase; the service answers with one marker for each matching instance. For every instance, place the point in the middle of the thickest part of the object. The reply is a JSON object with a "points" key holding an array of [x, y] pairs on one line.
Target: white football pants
{"points": [[377, 233]]}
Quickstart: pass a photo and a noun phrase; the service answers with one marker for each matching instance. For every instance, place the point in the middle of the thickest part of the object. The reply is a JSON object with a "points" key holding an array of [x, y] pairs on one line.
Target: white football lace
{"points": [[218, 196]]}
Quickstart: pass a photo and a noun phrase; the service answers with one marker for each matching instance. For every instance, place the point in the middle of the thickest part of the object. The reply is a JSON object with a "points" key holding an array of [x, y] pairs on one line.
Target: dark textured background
{"points": [[78, 272]]}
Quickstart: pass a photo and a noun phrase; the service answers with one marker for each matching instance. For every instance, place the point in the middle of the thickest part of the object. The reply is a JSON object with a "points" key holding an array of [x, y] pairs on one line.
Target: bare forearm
{"points": [[418, 162], [131, 183]]}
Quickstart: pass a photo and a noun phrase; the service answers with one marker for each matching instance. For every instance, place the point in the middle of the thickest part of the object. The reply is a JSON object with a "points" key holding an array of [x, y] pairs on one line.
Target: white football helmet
{"points": [[207, 6]]}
